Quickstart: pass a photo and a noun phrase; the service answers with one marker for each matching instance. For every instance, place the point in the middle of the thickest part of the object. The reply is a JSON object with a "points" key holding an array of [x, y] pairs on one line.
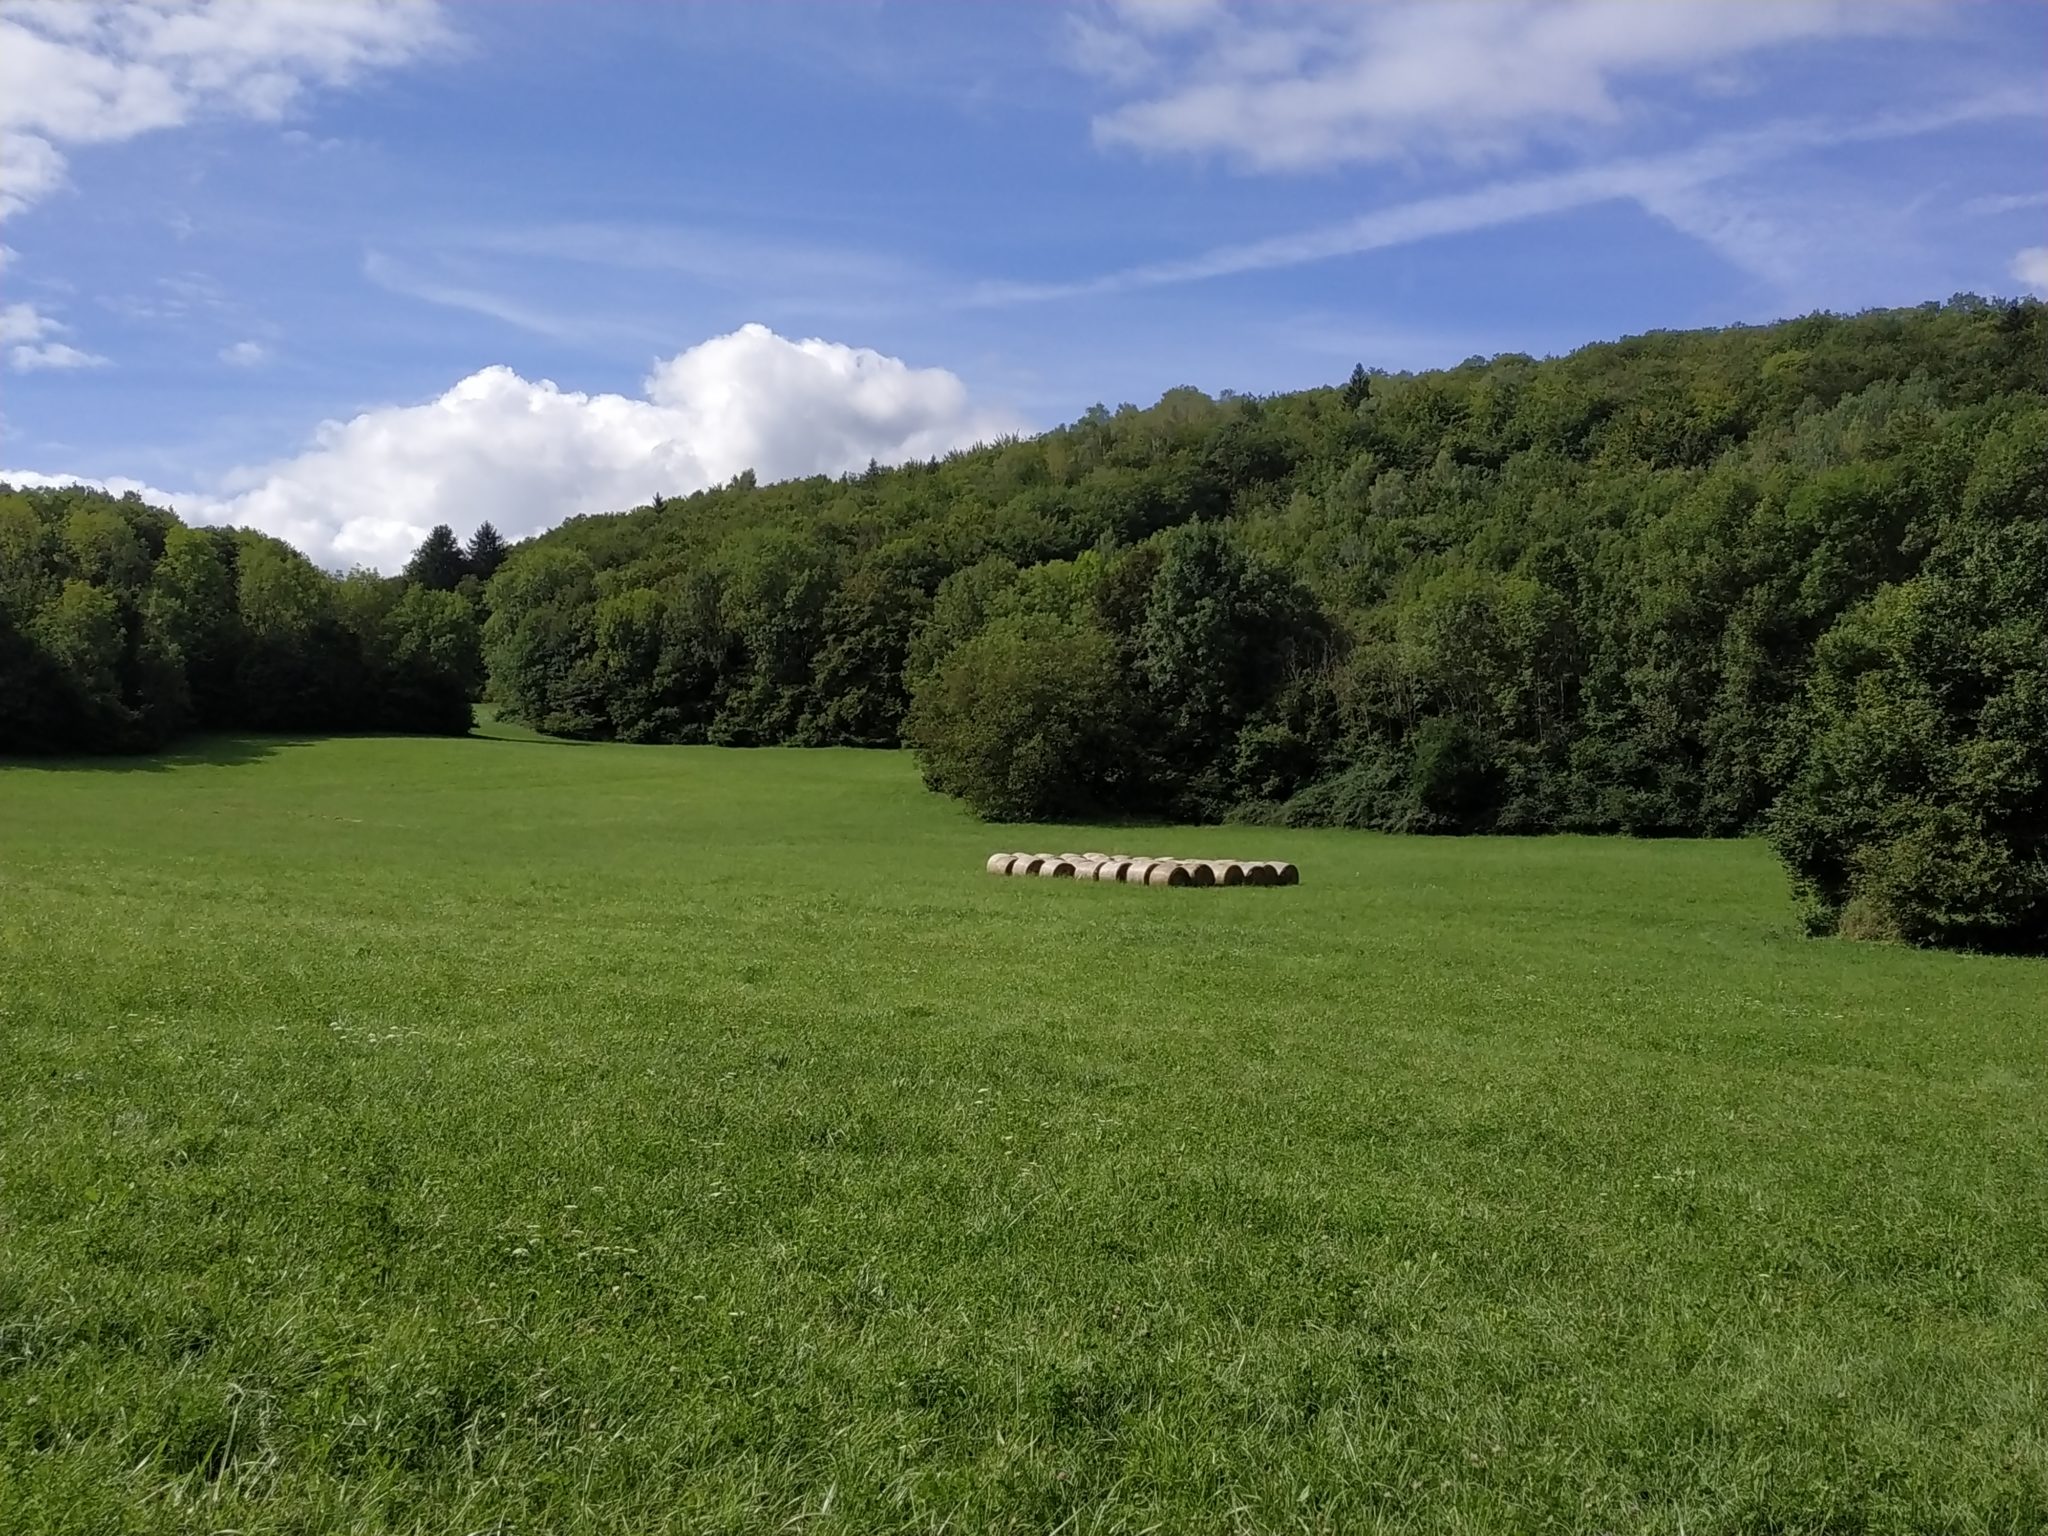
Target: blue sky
{"points": [[346, 270]]}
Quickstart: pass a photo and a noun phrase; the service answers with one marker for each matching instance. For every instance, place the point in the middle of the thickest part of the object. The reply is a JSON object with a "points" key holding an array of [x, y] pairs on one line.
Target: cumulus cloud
{"points": [[2031, 268], [1306, 86], [245, 354], [76, 72], [527, 454]]}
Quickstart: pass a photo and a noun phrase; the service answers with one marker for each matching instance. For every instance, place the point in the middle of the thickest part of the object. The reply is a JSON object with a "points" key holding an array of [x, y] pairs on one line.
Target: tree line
{"points": [[1789, 579], [1786, 579], [121, 628]]}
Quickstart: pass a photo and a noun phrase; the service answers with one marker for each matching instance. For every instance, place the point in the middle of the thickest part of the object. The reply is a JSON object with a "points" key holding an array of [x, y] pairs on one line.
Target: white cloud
{"points": [[30, 338], [97, 71], [24, 322], [2031, 268], [52, 354], [1306, 86], [30, 169], [114, 485], [528, 454], [245, 354]]}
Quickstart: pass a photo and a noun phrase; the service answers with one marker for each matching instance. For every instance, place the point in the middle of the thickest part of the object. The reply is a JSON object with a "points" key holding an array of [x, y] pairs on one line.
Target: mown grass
{"points": [[505, 1135]]}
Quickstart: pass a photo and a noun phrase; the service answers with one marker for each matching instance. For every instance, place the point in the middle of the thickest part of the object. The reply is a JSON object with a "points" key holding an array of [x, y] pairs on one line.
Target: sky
{"points": [[345, 269]]}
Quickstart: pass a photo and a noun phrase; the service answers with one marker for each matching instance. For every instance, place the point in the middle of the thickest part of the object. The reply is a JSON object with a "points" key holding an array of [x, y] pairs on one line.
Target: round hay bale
{"points": [[1261, 874], [1167, 872], [1026, 863], [1287, 874], [1095, 857], [1057, 869], [1228, 871], [1111, 871], [1199, 872], [999, 863]]}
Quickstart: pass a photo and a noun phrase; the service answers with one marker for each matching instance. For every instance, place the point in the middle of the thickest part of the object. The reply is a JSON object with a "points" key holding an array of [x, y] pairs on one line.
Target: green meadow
{"points": [[506, 1135]]}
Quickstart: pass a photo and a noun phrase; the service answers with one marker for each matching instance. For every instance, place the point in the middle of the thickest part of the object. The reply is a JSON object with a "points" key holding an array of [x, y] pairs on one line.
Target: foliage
{"points": [[439, 564], [121, 628], [485, 552], [1920, 801], [1640, 588], [1026, 720], [1584, 594]]}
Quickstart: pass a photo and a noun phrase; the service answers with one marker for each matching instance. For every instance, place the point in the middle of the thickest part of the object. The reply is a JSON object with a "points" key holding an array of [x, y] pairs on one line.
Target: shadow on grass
{"points": [[520, 736], [193, 752]]}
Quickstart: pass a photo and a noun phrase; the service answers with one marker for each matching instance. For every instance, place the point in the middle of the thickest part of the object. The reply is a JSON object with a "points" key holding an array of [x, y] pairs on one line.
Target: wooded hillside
{"points": [[1790, 577]]}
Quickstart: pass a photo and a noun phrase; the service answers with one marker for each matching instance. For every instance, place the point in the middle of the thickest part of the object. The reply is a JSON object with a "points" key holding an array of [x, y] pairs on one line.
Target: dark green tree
{"points": [[1919, 806], [540, 641], [1358, 388], [485, 552], [439, 563], [1026, 721]]}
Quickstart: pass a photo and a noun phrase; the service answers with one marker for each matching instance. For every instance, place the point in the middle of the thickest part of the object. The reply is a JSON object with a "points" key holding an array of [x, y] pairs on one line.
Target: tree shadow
{"points": [[225, 751], [534, 740]]}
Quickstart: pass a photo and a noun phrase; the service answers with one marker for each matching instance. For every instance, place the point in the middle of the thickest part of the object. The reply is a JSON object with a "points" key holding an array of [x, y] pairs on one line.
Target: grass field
{"points": [[505, 1135]]}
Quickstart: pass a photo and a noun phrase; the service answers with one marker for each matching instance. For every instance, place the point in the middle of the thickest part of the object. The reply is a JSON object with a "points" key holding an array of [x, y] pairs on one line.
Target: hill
{"points": [[1789, 577]]}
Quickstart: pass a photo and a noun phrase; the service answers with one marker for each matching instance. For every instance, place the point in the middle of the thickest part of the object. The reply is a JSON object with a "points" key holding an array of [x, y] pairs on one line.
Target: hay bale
{"points": [[1199, 872], [1061, 868], [1168, 872], [999, 863], [1026, 863], [1261, 874], [1228, 871], [1287, 874], [1111, 871]]}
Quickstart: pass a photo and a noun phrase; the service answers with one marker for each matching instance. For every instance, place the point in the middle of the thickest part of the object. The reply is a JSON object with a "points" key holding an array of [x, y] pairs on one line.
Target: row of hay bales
{"points": [[1128, 869]]}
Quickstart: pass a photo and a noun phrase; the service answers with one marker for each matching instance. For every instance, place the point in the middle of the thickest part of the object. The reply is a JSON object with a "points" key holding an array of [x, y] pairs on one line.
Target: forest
{"points": [[121, 629], [1787, 579]]}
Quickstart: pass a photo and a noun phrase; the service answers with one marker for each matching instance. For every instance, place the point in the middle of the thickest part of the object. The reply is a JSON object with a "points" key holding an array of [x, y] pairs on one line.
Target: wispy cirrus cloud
{"points": [[1297, 87], [1674, 187], [458, 293], [2011, 202]]}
